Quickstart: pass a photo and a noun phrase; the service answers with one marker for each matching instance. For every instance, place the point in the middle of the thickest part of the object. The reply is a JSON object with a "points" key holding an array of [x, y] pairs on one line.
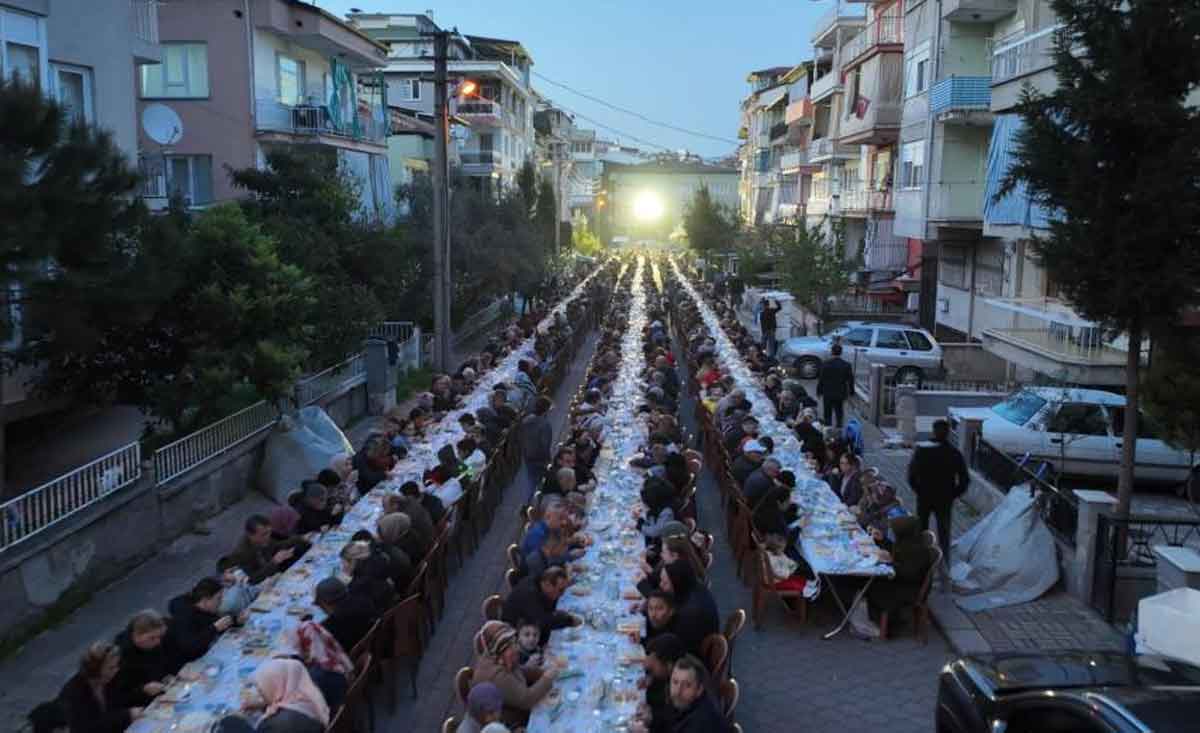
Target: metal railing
{"points": [[144, 17], [1023, 56], [271, 115], [885, 255], [398, 331], [884, 30], [839, 11], [177, 458], [778, 130], [482, 157], [960, 94], [1125, 551], [54, 501], [351, 372]]}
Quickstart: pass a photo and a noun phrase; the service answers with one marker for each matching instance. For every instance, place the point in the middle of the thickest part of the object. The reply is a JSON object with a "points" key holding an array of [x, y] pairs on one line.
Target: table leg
{"points": [[847, 611]]}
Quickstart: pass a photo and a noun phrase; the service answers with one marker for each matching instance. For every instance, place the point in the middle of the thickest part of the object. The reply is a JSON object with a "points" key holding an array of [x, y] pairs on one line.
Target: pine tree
{"points": [[708, 225], [1114, 156]]}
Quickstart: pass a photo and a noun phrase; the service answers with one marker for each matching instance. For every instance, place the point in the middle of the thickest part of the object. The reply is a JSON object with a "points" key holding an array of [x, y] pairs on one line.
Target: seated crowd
{"points": [[302, 685]]}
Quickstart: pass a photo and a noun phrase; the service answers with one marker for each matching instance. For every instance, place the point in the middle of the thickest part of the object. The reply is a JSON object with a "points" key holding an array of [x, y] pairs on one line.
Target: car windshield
{"points": [[1020, 407]]}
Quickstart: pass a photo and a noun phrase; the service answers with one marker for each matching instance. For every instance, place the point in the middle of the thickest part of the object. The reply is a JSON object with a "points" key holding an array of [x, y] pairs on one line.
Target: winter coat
{"points": [[537, 435], [86, 714], [190, 631], [519, 696], [938, 474], [139, 667], [350, 621], [527, 602], [836, 380]]}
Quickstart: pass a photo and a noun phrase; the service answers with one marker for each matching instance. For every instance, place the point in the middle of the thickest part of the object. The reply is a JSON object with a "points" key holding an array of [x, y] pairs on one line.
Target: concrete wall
{"points": [[970, 361], [55, 571]]}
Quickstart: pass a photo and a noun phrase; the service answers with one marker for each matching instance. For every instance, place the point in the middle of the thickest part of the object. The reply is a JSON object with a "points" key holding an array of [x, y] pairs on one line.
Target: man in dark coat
{"points": [[194, 623], [349, 615], [938, 475], [749, 461], [693, 708], [834, 384], [535, 601], [760, 483], [259, 556], [768, 323]]}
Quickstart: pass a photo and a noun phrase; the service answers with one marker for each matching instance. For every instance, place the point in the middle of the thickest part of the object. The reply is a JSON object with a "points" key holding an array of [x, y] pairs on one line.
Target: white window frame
{"points": [[301, 81], [917, 69], [187, 81], [911, 173], [38, 42], [189, 194], [89, 108]]}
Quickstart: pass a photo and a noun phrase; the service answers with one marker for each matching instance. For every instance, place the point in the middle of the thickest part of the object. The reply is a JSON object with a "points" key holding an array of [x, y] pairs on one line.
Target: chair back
{"points": [[343, 719], [930, 538], [510, 577], [450, 725], [367, 642], [514, 556], [406, 621], [734, 625], [492, 607], [715, 651], [935, 554], [462, 683], [729, 693]]}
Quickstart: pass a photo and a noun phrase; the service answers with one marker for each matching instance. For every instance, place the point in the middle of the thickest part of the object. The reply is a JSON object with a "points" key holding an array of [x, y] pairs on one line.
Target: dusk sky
{"points": [[682, 62]]}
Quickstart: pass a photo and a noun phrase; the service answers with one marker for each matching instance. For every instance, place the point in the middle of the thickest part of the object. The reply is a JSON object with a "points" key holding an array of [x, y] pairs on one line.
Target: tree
{"points": [[583, 240], [527, 185], [813, 265], [545, 215], [1171, 394], [710, 226], [1114, 156]]}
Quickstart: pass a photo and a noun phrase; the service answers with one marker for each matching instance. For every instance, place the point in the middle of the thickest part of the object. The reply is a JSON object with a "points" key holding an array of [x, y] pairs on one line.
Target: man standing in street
{"points": [[768, 323], [938, 475], [834, 384]]}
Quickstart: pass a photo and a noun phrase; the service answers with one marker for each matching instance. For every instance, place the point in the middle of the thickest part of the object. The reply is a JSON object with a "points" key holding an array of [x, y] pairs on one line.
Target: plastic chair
{"points": [[729, 693], [462, 683], [715, 652], [492, 607], [733, 627]]}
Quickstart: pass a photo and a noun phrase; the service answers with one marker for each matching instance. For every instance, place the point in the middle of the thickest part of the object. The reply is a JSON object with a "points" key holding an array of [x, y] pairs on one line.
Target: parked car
{"points": [[1068, 692], [1077, 432], [910, 354]]}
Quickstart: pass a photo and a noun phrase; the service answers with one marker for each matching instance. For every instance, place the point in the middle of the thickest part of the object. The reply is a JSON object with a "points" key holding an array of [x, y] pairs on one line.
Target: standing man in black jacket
{"points": [[938, 475], [834, 384], [768, 323]]}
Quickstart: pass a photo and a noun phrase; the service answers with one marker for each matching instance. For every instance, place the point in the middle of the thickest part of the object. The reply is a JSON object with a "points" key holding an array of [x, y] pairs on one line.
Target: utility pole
{"points": [[441, 206]]}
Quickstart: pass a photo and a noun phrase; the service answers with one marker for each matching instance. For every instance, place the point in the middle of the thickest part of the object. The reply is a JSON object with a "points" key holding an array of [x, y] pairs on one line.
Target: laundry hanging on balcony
{"points": [[343, 100]]}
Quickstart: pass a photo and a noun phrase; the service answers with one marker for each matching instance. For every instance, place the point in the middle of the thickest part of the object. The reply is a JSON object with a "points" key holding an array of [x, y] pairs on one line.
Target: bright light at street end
{"points": [[648, 206]]}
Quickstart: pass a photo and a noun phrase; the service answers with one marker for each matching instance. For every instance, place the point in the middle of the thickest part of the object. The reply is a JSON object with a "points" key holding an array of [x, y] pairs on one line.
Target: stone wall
{"points": [[970, 362], [55, 571]]}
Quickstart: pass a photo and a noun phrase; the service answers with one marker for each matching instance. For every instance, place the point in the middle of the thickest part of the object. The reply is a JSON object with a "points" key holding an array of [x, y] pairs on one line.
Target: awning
{"points": [[1015, 208], [772, 97]]}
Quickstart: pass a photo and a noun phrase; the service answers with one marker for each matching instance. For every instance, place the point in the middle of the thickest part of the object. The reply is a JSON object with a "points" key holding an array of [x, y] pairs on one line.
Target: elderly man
{"points": [[535, 601], [759, 483], [259, 555], [553, 512], [809, 433], [748, 462]]}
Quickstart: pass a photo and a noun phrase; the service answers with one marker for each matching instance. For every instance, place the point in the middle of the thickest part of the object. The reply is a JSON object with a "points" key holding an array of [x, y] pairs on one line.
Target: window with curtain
{"points": [[912, 164], [73, 90], [289, 76], [190, 176], [21, 42], [183, 73], [952, 266]]}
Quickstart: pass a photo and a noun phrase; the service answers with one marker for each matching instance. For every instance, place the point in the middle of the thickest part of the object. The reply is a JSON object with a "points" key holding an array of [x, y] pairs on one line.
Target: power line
{"points": [[635, 113], [615, 130]]}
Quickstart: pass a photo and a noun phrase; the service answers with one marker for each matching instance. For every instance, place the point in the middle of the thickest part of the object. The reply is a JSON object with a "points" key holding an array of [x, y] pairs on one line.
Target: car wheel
{"points": [[809, 367], [911, 376]]}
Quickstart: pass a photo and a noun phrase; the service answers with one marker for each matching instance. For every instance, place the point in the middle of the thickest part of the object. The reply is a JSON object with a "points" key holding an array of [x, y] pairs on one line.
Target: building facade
{"points": [[649, 200], [243, 77]]}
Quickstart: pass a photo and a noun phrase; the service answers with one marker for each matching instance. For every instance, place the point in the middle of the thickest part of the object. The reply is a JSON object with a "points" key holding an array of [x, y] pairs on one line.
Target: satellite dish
{"points": [[162, 124]]}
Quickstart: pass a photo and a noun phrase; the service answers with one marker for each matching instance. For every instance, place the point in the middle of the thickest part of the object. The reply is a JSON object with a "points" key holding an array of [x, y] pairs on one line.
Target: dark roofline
{"points": [[673, 167]]}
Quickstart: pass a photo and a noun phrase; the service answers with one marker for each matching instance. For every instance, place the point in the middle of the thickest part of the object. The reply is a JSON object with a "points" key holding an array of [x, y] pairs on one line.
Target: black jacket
{"points": [[757, 485], [836, 380], [139, 667], [527, 603], [812, 439], [85, 714], [312, 520], [701, 717], [696, 618], [938, 474], [190, 632], [350, 621], [743, 467]]}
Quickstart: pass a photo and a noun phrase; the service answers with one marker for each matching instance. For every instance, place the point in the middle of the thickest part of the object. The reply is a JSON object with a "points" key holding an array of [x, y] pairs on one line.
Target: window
{"points": [[918, 341], [1079, 418], [486, 141], [912, 164], [183, 73], [1020, 408], [858, 336], [1145, 426], [887, 338], [289, 79], [989, 271], [190, 176], [952, 266], [73, 90], [21, 42], [917, 71], [409, 90]]}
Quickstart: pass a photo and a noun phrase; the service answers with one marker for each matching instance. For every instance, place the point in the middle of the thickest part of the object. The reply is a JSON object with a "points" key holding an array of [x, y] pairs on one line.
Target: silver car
{"points": [[910, 354]]}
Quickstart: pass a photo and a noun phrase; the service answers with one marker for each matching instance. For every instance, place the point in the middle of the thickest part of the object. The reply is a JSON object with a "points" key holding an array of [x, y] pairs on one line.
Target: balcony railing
{"points": [[825, 148], [793, 159], [839, 12], [481, 157], [956, 201], [145, 19], [1026, 55], [824, 85], [481, 108], [778, 130], [884, 251], [961, 94], [799, 111], [1049, 327], [317, 119], [887, 29]]}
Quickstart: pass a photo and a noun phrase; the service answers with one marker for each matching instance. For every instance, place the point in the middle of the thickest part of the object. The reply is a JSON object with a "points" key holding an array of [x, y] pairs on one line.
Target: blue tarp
{"points": [[1015, 208]]}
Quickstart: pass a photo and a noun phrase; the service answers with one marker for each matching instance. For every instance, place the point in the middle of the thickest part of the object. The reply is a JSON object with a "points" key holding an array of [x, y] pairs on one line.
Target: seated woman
{"points": [[147, 667], [292, 703], [368, 575], [696, 614], [316, 513], [315, 647], [373, 462], [878, 509], [911, 559], [448, 466], [88, 697], [285, 520], [660, 499], [498, 662], [395, 531]]}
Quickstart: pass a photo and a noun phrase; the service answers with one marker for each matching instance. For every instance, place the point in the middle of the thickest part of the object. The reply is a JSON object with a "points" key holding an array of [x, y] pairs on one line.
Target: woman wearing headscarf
{"points": [[878, 508], [293, 703], [327, 662], [395, 530], [284, 521], [368, 574], [500, 663], [696, 610]]}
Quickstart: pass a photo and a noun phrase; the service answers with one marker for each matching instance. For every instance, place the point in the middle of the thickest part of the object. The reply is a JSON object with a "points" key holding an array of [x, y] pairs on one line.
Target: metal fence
{"points": [[352, 371], [1125, 550], [398, 331], [177, 458], [53, 501], [1057, 505]]}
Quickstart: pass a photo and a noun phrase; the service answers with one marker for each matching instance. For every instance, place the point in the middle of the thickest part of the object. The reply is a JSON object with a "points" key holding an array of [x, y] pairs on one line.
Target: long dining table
{"points": [[831, 540], [219, 683]]}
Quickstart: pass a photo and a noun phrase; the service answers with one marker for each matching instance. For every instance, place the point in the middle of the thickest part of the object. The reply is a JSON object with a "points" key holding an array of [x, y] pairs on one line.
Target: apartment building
{"points": [[555, 130], [965, 64], [86, 56], [584, 180], [763, 130], [244, 76], [795, 171], [500, 133]]}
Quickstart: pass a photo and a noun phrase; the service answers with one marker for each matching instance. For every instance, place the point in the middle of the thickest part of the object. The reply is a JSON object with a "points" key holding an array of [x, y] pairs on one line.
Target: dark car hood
{"points": [[1075, 669]]}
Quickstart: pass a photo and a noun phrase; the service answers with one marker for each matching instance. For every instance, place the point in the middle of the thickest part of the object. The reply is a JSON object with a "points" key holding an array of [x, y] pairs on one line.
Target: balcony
{"points": [[793, 160], [825, 86], [144, 19], [853, 198], [778, 131], [1045, 335], [1024, 56], [841, 14], [962, 98], [481, 162], [885, 33], [884, 251], [482, 112], [877, 123], [320, 121], [799, 112], [318, 30], [977, 11], [957, 203], [825, 149]]}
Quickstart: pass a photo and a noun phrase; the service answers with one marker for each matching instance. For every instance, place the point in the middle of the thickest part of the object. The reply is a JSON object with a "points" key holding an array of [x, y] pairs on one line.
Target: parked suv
{"points": [[1068, 692], [910, 354]]}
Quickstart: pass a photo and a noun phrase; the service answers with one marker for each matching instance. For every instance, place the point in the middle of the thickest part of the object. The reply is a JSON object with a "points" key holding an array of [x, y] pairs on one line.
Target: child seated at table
{"points": [[529, 640], [237, 594]]}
